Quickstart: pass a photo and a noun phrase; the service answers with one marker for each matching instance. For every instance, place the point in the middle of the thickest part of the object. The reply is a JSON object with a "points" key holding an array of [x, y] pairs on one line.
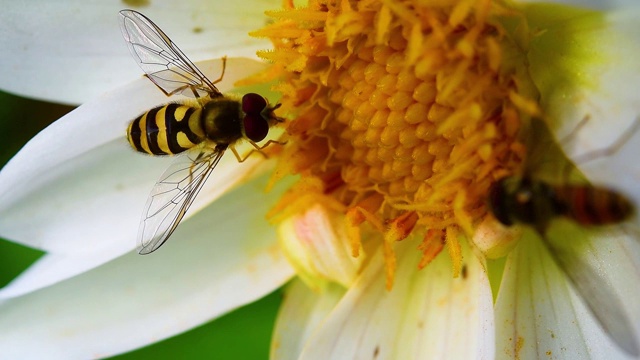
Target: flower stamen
{"points": [[411, 105]]}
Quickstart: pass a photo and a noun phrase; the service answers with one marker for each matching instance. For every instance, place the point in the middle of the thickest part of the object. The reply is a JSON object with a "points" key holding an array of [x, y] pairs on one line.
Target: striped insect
{"points": [[529, 200], [525, 200], [200, 130]]}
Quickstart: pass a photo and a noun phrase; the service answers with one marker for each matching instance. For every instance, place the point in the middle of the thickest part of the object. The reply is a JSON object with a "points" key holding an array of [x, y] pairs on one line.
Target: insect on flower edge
{"points": [[199, 131], [530, 200]]}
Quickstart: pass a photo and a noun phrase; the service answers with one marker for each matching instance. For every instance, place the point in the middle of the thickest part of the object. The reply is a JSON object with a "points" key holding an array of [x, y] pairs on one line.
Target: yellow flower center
{"points": [[403, 113]]}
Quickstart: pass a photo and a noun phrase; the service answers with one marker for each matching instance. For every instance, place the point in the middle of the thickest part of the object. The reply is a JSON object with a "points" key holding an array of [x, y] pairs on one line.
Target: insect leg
{"points": [[613, 148], [175, 91], [569, 137], [195, 93], [243, 159], [269, 142], [193, 164], [224, 67], [257, 149]]}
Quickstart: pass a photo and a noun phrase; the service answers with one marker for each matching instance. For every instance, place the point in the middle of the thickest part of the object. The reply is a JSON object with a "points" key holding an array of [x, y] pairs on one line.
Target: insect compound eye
{"points": [[253, 103], [255, 126]]}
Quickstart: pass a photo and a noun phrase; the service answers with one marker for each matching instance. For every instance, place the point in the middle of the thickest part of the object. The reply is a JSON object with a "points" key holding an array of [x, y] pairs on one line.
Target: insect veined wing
{"points": [[545, 157], [574, 248], [172, 195], [163, 62]]}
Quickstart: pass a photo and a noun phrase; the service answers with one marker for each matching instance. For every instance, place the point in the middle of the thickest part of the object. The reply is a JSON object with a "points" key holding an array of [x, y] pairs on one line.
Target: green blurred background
{"points": [[242, 334]]}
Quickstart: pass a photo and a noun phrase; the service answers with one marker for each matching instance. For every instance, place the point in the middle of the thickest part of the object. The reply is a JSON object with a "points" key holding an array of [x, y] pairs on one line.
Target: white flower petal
{"points": [[72, 51], [615, 108], [81, 161], [78, 188], [301, 311], [317, 244], [52, 268], [424, 316], [538, 314], [221, 258], [599, 73]]}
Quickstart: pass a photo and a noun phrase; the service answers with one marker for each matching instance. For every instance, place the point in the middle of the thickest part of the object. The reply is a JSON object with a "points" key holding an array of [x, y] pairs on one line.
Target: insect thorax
{"points": [[221, 120], [514, 200]]}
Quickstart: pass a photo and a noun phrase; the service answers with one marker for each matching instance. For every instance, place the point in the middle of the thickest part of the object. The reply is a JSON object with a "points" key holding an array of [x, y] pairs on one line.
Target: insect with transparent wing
{"points": [[530, 200], [199, 130]]}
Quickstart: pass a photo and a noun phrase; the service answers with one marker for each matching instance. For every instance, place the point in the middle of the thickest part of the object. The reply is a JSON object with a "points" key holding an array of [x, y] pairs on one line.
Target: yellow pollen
{"points": [[402, 113]]}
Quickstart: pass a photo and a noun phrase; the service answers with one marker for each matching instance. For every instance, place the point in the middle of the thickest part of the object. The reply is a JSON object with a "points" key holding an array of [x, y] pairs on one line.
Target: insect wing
{"points": [[172, 195], [543, 153], [163, 62], [582, 263]]}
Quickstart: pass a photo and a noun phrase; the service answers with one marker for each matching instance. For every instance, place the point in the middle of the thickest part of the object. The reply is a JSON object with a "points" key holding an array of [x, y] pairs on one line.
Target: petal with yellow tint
{"points": [[426, 314]]}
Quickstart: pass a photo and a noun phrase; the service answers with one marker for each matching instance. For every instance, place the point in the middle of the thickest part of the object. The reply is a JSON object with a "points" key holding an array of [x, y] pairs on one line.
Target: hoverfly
{"points": [[532, 201], [199, 131]]}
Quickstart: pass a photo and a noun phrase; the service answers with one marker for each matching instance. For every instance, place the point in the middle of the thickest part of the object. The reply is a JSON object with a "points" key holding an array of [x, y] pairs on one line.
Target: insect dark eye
{"points": [[497, 202], [255, 126], [253, 103]]}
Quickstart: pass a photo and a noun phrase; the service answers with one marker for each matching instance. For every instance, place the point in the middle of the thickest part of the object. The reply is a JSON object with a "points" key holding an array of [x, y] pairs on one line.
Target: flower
{"points": [[406, 113], [381, 192]]}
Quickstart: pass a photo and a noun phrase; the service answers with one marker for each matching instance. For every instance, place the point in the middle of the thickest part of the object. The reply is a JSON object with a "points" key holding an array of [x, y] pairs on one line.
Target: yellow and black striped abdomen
{"points": [[589, 205], [166, 130]]}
